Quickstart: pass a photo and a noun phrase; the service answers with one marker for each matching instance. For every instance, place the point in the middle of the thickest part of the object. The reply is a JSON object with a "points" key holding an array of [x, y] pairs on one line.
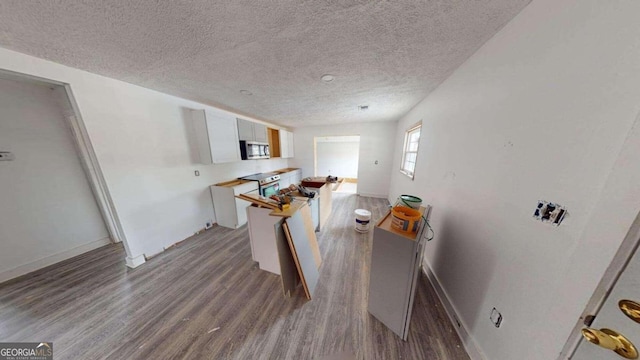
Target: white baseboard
{"points": [[52, 259], [379, 196], [467, 340], [134, 262]]}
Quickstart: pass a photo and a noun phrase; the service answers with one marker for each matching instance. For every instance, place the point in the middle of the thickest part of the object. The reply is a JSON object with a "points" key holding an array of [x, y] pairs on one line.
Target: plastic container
{"points": [[363, 217], [409, 201], [405, 219]]}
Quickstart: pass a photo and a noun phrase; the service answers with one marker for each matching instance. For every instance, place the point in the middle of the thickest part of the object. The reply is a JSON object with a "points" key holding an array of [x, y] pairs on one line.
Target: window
{"points": [[410, 150]]}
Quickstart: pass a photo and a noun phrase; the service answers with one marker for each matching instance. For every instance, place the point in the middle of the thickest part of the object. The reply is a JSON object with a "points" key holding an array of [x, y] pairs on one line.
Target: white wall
{"points": [[541, 111], [47, 211], [376, 141], [337, 158], [144, 144]]}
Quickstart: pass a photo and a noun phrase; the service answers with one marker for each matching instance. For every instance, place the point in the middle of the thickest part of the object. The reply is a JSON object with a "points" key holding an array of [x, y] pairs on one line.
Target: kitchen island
{"points": [[284, 243]]}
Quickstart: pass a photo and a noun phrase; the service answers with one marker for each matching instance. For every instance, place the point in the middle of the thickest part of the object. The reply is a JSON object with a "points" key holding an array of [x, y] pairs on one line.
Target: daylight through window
{"points": [[410, 151]]}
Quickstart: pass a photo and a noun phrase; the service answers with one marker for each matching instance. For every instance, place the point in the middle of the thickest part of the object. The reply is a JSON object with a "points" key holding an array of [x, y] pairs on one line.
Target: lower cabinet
{"points": [[395, 263], [296, 176], [291, 177], [324, 199], [262, 237], [231, 211]]}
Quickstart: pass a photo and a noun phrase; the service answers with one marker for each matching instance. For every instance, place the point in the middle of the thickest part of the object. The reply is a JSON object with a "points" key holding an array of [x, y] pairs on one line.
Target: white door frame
{"points": [[622, 257], [87, 155]]}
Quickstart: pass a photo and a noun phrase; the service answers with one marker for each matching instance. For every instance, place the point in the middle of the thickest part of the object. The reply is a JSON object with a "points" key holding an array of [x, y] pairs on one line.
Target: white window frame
{"points": [[405, 150]]}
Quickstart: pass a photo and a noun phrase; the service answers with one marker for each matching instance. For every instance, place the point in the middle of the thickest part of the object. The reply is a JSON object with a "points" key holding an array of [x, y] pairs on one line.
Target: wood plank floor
{"points": [[206, 299]]}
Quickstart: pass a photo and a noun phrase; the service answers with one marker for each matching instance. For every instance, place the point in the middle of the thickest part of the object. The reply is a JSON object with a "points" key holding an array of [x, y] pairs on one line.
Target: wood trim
{"points": [[273, 137], [94, 173]]}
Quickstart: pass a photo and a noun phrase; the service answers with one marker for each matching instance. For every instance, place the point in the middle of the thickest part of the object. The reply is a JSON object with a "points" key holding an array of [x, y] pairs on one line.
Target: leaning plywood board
{"points": [[302, 252], [294, 255], [311, 234], [288, 271]]}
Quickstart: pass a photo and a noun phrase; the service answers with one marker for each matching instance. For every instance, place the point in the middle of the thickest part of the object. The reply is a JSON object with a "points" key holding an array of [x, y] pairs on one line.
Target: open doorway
{"points": [[55, 203], [338, 156]]}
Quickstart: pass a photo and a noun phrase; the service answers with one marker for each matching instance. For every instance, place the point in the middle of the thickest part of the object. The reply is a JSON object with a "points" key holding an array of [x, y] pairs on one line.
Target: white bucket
{"points": [[409, 201], [363, 217]]}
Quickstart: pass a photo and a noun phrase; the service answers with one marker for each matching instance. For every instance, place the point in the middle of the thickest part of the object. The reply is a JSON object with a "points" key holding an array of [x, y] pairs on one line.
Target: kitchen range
{"points": [[268, 183], [230, 211]]}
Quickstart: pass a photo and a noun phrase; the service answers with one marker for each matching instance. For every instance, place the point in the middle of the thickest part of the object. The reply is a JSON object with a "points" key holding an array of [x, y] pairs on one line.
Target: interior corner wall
{"points": [[144, 143], [376, 140], [540, 112], [47, 212]]}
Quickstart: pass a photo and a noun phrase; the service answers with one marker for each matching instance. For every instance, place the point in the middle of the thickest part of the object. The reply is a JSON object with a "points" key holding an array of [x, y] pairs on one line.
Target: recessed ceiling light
{"points": [[246, 92], [327, 78], [363, 107]]}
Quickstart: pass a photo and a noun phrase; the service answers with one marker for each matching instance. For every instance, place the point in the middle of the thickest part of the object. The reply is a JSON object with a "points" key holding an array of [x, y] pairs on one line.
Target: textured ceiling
{"points": [[388, 55]]}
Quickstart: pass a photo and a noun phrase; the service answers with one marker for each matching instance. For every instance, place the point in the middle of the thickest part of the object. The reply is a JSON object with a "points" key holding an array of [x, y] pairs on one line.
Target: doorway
{"points": [[338, 156], [54, 206]]}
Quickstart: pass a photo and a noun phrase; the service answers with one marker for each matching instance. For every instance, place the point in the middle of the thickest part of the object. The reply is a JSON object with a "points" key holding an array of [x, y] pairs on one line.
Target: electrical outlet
{"points": [[495, 317], [197, 173]]}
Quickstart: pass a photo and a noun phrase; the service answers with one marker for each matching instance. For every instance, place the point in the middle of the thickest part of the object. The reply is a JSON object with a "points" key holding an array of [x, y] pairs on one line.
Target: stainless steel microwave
{"points": [[251, 150]]}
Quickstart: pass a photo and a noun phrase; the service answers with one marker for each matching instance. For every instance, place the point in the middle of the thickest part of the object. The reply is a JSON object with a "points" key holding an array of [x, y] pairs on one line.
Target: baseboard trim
{"points": [[378, 196], [134, 262], [52, 259], [468, 341]]}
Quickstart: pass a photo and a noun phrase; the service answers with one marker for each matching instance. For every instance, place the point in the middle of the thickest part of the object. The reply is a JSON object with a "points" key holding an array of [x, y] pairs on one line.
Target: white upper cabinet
{"points": [[217, 136], [290, 144], [245, 130], [286, 144], [260, 132], [250, 131]]}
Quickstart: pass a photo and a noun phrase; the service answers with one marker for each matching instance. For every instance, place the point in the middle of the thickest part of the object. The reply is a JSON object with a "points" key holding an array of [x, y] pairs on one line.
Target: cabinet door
{"points": [[245, 130], [202, 136], [296, 177], [285, 180], [260, 132], [223, 137], [284, 148], [315, 214], [290, 144], [393, 258], [241, 211]]}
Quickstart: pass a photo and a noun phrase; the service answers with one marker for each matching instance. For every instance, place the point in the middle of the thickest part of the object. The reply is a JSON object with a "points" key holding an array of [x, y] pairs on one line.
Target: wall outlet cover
{"points": [[549, 212]]}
